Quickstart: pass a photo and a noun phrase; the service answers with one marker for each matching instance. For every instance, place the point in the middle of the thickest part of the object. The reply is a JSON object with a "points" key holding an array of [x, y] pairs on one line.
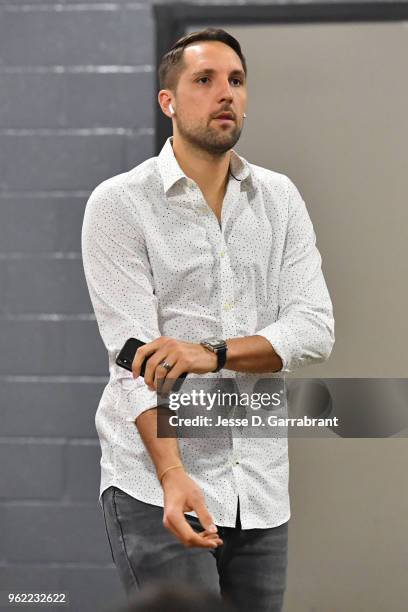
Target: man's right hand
{"points": [[182, 494]]}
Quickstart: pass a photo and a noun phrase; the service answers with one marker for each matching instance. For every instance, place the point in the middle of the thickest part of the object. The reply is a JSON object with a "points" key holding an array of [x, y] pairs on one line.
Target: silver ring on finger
{"points": [[166, 365]]}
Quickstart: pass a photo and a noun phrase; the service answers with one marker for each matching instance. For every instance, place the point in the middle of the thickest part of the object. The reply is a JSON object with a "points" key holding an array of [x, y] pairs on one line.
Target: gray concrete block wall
{"points": [[76, 90], [76, 107]]}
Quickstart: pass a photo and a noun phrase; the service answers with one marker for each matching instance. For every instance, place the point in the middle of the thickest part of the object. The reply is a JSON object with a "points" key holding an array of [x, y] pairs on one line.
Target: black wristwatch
{"points": [[218, 346]]}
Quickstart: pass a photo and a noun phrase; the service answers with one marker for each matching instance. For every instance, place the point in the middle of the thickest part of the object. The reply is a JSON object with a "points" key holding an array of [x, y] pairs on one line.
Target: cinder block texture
{"points": [[77, 106]]}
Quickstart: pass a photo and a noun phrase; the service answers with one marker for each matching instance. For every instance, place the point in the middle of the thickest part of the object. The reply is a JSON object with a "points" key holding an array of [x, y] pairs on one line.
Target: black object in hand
{"points": [[127, 354]]}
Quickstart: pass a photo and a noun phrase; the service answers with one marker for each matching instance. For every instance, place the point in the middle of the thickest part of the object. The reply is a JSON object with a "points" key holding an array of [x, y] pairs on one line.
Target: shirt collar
{"points": [[171, 172]]}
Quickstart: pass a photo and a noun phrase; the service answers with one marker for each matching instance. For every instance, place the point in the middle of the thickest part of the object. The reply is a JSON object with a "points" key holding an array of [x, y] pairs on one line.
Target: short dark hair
{"points": [[172, 63]]}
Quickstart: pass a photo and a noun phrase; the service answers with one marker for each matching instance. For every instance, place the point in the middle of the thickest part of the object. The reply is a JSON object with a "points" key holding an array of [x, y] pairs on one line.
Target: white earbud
{"points": [[171, 109], [244, 115]]}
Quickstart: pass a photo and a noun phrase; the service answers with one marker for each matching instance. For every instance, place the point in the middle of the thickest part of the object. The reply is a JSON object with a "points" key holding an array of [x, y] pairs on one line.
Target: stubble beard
{"points": [[209, 139]]}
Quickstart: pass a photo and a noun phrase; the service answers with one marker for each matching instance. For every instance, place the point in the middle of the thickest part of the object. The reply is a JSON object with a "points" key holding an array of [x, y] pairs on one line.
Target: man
{"points": [[198, 245]]}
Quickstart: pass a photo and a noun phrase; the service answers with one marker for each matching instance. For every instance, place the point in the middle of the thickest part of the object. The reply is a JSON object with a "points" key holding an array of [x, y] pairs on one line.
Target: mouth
{"points": [[224, 117], [225, 120]]}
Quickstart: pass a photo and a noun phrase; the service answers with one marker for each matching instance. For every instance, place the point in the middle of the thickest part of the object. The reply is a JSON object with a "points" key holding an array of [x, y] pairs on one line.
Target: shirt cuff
{"points": [[136, 397], [282, 343]]}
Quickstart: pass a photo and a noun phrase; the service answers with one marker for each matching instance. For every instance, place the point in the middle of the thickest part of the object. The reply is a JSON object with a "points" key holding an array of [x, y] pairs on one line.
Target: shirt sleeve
{"points": [[120, 285], [304, 330]]}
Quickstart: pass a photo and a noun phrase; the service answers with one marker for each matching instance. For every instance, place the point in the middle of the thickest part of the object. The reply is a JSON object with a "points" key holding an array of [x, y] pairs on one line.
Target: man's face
{"points": [[212, 81]]}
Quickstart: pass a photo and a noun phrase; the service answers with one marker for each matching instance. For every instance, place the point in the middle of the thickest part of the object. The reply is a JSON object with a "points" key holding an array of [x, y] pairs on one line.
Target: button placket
{"points": [[226, 290], [230, 199], [227, 295]]}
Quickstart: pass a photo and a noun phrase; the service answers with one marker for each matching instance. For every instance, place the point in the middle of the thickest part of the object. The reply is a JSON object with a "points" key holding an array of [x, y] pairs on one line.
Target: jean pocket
{"points": [[119, 493]]}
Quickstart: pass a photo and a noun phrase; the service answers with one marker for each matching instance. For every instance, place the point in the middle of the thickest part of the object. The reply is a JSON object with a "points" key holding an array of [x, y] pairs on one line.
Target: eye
{"points": [[235, 80]]}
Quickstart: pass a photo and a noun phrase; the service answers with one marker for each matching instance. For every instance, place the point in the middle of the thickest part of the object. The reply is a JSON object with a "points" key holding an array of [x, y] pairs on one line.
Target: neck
{"points": [[210, 172]]}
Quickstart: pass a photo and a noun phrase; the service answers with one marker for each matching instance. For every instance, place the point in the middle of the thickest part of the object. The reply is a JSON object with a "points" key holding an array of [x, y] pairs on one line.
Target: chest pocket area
{"points": [[250, 247], [182, 258]]}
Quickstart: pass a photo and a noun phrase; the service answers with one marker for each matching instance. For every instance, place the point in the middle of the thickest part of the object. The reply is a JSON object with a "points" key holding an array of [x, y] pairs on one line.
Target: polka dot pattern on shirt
{"points": [[157, 262]]}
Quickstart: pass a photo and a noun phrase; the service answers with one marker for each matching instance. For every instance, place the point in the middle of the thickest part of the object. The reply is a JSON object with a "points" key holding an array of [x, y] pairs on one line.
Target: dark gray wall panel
{"points": [[76, 37], [50, 100], [76, 107], [57, 222], [67, 161], [72, 533], [88, 588], [49, 409], [52, 348], [22, 462], [42, 285], [83, 457]]}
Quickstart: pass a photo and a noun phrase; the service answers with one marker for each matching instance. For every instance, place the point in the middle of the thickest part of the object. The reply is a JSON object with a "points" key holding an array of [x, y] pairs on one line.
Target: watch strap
{"points": [[221, 357]]}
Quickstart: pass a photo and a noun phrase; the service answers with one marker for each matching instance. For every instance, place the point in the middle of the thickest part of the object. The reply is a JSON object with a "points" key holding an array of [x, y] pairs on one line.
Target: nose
{"points": [[225, 92]]}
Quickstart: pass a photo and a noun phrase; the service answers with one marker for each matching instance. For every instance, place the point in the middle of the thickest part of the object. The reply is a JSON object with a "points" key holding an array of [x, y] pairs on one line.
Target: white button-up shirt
{"points": [[158, 263]]}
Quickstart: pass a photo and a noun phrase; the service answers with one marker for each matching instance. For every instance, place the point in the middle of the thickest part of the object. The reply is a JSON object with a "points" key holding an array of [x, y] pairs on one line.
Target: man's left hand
{"points": [[182, 356]]}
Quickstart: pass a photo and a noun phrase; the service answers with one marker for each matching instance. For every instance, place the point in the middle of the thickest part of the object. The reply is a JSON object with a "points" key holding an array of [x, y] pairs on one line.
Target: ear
{"points": [[164, 99]]}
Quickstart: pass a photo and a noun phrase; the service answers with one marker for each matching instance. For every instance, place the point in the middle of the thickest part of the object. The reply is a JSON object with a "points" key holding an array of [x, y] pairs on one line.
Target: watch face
{"points": [[214, 342]]}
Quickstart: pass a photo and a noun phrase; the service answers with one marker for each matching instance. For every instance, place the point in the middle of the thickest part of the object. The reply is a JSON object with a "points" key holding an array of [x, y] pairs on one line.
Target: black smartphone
{"points": [[126, 355]]}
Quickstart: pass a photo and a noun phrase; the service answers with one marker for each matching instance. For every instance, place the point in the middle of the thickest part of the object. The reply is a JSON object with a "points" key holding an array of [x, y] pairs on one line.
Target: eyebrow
{"points": [[212, 71]]}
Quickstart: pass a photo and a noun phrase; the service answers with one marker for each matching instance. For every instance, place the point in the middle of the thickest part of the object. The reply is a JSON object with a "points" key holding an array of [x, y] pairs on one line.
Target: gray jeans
{"points": [[248, 569]]}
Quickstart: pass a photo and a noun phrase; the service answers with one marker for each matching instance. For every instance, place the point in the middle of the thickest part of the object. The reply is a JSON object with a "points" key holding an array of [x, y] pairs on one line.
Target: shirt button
{"points": [[237, 462], [227, 306], [222, 253]]}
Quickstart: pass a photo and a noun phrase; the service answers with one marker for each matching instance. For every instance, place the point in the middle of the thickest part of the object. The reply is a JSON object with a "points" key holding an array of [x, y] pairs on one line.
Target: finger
{"points": [[180, 527], [167, 384], [161, 372], [165, 379], [141, 353], [205, 517], [205, 534], [153, 367], [165, 347], [211, 536]]}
